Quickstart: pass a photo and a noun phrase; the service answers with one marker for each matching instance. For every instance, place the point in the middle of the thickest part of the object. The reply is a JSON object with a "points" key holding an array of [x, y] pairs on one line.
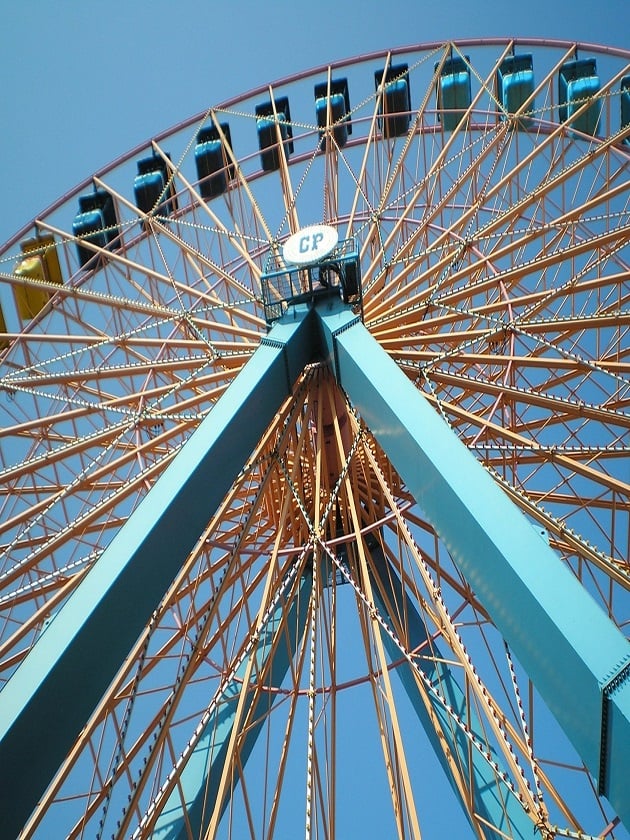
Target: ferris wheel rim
{"points": [[440, 391], [187, 122]]}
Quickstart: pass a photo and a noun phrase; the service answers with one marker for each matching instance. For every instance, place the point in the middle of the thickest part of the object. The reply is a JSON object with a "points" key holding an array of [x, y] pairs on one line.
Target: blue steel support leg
{"points": [[577, 658], [199, 779], [51, 695], [491, 797]]}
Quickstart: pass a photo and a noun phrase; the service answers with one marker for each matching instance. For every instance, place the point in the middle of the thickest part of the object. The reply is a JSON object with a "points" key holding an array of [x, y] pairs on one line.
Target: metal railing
{"points": [[284, 285]]}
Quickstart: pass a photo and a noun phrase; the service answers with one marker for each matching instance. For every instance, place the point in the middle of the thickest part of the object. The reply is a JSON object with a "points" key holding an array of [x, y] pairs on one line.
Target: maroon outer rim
{"points": [[296, 77]]}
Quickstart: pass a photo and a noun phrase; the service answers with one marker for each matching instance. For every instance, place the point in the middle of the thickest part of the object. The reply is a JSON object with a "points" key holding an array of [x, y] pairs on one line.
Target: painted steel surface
{"points": [[565, 642], [492, 798], [51, 695], [575, 656], [198, 782]]}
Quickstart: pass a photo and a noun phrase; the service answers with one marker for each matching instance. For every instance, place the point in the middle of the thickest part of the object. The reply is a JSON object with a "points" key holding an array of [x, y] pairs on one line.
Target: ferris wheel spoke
{"points": [[369, 599], [389, 728], [360, 193], [288, 195], [555, 178], [460, 290], [132, 371], [164, 716], [331, 188], [167, 792], [564, 408], [332, 153], [550, 453], [241, 178], [88, 515], [393, 176], [222, 788], [201, 266], [568, 541], [562, 464], [67, 448], [193, 620], [404, 164], [521, 321], [430, 184], [491, 221], [434, 212], [448, 632], [233, 237], [79, 293], [511, 211], [122, 270]]}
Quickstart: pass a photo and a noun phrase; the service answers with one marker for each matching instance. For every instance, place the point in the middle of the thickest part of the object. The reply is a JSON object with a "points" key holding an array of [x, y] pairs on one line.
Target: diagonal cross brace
{"points": [[492, 800], [573, 653], [198, 782], [51, 695]]}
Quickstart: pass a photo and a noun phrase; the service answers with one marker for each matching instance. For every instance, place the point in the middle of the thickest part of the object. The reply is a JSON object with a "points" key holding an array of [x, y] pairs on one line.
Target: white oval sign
{"points": [[310, 245]]}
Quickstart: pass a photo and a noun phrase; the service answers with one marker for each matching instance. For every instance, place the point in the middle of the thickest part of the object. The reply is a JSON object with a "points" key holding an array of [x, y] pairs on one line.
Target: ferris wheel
{"points": [[314, 453]]}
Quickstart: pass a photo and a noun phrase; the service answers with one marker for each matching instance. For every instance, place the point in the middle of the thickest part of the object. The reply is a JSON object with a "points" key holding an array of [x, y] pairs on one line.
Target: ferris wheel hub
{"points": [[313, 263]]}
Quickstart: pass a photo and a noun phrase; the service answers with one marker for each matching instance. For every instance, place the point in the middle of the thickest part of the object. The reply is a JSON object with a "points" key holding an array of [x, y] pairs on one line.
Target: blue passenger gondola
{"points": [[625, 105], [151, 187], [453, 91], [95, 223], [395, 104], [577, 83], [267, 125], [214, 165], [339, 103], [515, 86]]}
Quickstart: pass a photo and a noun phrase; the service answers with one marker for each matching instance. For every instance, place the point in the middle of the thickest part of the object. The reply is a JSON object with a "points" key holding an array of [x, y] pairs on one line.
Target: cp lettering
{"points": [[310, 242]]}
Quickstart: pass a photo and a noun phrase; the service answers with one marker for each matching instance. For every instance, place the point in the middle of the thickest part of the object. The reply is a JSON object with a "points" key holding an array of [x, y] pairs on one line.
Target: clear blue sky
{"points": [[83, 82]]}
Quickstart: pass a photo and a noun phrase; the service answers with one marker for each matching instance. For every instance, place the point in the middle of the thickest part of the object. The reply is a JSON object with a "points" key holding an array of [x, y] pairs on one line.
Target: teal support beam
{"points": [[198, 781], [577, 658], [53, 692], [493, 800]]}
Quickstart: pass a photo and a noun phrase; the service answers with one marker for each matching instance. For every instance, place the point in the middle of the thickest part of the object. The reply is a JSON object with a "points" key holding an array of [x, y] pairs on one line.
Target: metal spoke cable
{"points": [[58, 497], [71, 527], [228, 678], [310, 744], [453, 635], [526, 736], [461, 724], [118, 756]]}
